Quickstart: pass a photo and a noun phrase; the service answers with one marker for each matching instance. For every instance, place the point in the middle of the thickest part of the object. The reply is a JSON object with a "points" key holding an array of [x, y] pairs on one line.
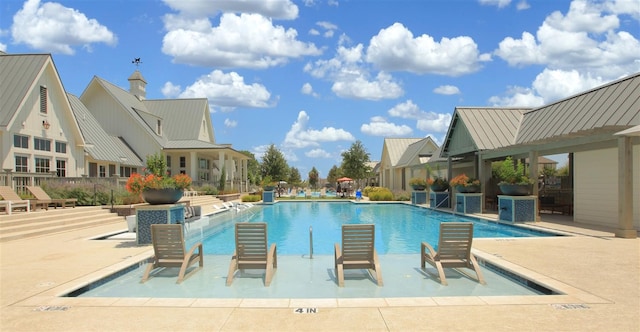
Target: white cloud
{"points": [[3, 47], [317, 153], [169, 90], [51, 27], [329, 28], [585, 39], [351, 79], [426, 121], [447, 90], [230, 123], [396, 49], [498, 3], [378, 126], [227, 90], [245, 40], [523, 5], [279, 9], [300, 136], [307, 89]]}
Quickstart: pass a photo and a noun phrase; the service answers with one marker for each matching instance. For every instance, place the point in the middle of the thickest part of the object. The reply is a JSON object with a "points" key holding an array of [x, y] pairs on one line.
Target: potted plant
{"points": [[418, 183], [438, 184], [513, 181], [155, 186], [268, 184], [465, 184]]}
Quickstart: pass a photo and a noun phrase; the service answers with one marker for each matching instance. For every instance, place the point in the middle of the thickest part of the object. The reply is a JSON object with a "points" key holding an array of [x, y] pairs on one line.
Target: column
{"points": [[625, 189]]}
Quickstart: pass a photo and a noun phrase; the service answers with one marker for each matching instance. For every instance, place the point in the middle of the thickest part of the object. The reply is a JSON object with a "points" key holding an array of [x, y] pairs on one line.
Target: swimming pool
{"points": [[400, 228]]}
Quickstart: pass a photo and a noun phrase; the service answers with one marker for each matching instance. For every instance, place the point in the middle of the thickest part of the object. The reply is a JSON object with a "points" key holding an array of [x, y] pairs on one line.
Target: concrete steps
{"points": [[42, 222]]}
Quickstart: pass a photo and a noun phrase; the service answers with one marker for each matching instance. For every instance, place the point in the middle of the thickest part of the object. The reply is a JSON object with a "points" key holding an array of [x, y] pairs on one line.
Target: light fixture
{"points": [[46, 124]]}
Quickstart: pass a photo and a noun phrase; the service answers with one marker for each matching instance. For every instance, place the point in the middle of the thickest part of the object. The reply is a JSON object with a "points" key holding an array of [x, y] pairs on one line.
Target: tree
{"points": [[313, 177], [355, 161], [223, 179], [294, 176], [253, 167], [274, 164], [334, 174]]}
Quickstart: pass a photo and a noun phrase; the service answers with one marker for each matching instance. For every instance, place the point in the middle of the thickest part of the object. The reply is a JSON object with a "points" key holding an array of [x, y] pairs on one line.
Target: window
{"points": [[112, 170], [203, 169], [203, 164], [168, 161], [42, 165], [43, 99], [159, 127], [41, 144], [203, 176], [103, 171], [22, 164], [183, 162], [126, 171], [61, 147], [61, 168], [20, 141]]}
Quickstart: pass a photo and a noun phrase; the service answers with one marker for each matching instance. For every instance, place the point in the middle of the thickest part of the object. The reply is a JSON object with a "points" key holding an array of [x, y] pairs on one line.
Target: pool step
{"points": [[41, 222]]}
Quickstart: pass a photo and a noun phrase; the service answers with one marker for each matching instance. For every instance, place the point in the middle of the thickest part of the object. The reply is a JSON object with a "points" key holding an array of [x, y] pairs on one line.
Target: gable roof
{"points": [[180, 116], [482, 128], [396, 147], [100, 145], [414, 151], [606, 109], [18, 72]]}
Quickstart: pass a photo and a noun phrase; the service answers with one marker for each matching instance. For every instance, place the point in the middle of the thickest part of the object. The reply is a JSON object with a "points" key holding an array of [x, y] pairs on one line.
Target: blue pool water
{"points": [[400, 228]]}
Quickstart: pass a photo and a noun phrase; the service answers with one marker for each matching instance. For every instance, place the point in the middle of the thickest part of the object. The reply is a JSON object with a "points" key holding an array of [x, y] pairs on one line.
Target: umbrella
{"points": [[282, 182], [344, 179]]}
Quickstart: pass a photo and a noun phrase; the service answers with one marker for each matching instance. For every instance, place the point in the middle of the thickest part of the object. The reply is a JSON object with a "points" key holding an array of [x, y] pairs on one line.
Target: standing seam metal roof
{"points": [[18, 73]]}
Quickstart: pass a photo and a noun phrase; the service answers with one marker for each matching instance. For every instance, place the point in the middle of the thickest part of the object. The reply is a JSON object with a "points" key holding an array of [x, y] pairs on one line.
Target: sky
{"points": [[313, 77]]}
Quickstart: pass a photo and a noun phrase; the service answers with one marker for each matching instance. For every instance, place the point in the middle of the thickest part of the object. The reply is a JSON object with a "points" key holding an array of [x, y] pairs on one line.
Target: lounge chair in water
{"points": [[454, 250], [358, 252], [251, 251], [43, 198], [11, 200], [169, 250]]}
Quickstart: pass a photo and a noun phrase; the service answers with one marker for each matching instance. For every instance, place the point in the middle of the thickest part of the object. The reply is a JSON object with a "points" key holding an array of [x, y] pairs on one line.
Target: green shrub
{"points": [[380, 194], [402, 196], [250, 198]]}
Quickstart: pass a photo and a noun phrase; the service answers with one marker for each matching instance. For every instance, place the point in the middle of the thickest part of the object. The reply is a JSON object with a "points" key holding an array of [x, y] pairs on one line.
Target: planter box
{"points": [[419, 197], [268, 196], [156, 214], [517, 208], [438, 199], [468, 203]]}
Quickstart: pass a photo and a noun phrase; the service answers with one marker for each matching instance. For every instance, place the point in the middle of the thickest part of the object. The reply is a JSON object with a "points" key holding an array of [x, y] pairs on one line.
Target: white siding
{"points": [[596, 187]]}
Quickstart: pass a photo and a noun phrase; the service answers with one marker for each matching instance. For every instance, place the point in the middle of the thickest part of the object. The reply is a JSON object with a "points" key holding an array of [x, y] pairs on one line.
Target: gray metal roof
{"points": [[609, 108], [482, 128], [101, 146], [414, 150], [396, 148], [180, 116], [18, 72]]}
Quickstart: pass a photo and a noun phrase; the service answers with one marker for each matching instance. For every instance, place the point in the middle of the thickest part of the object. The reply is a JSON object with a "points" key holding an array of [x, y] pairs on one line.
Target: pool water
{"points": [[400, 228]]}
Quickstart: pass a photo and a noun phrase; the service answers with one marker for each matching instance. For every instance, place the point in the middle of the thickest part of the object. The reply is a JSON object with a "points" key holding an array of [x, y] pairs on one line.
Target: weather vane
{"points": [[136, 61]]}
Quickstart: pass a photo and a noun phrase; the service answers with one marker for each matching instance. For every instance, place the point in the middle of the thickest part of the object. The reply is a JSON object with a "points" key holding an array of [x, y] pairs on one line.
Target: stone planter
{"points": [[439, 187], [162, 196], [470, 189], [515, 189]]}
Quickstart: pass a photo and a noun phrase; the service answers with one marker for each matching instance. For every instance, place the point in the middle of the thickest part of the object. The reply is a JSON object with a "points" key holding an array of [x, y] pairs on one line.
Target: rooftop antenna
{"points": [[137, 61]]}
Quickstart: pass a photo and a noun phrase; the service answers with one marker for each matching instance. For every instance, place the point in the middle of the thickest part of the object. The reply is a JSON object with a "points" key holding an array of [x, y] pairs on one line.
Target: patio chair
{"points": [[454, 250], [11, 200], [251, 251], [169, 251], [43, 198], [358, 252]]}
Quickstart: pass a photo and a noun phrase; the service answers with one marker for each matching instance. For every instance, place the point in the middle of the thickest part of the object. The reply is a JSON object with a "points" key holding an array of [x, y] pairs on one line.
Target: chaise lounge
{"points": [[11, 200], [169, 250], [251, 251], [43, 198], [358, 252], [454, 250]]}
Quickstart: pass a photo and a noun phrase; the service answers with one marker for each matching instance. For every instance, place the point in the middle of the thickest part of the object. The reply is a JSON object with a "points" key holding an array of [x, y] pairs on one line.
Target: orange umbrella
{"points": [[344, 179]]}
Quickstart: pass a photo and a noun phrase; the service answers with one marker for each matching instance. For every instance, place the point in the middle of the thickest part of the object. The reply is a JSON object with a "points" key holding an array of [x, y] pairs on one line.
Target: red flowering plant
{"points": [[155, 177], [464, 180]]}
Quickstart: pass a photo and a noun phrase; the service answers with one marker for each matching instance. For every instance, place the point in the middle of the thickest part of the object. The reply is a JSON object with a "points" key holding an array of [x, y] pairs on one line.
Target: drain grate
{"points": [[52, 308], [569, 306]]}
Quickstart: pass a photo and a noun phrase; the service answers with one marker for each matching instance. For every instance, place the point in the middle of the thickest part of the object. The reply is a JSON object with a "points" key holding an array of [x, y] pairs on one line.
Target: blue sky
{"points": [[312, 77]]}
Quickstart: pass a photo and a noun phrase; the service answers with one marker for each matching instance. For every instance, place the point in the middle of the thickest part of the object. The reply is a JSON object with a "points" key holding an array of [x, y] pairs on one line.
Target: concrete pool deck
{"points": [[600, 273]]}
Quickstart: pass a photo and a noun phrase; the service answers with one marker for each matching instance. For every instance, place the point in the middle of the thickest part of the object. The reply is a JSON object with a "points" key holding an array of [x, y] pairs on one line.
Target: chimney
{"points": [[137, 85]]}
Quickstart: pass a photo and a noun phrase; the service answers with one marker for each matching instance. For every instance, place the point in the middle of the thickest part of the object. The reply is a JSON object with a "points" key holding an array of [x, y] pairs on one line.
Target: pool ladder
{"points": [[310, 242]]}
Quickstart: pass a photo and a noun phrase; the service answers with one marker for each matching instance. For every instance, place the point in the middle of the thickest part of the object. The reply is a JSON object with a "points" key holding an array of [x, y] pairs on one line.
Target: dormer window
{"points": [[43, 99], [159, 127]]}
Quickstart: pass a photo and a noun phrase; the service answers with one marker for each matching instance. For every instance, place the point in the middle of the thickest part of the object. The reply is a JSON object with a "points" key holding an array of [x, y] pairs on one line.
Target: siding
{"points": [[596, 187]]}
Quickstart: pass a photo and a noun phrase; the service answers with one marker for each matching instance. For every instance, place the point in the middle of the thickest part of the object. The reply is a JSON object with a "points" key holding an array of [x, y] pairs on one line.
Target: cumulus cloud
{"points": [[498, 3], [225, 90], [379, 126], [307, 89], [300, 136], [425, 121], [51, 27], [230, 123], [279, 9], [245, 40], [317, 153], [523, 5], [586, 39], [3, 47], [447, 90], [352, 79], [396, 49], [329, 28]]}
